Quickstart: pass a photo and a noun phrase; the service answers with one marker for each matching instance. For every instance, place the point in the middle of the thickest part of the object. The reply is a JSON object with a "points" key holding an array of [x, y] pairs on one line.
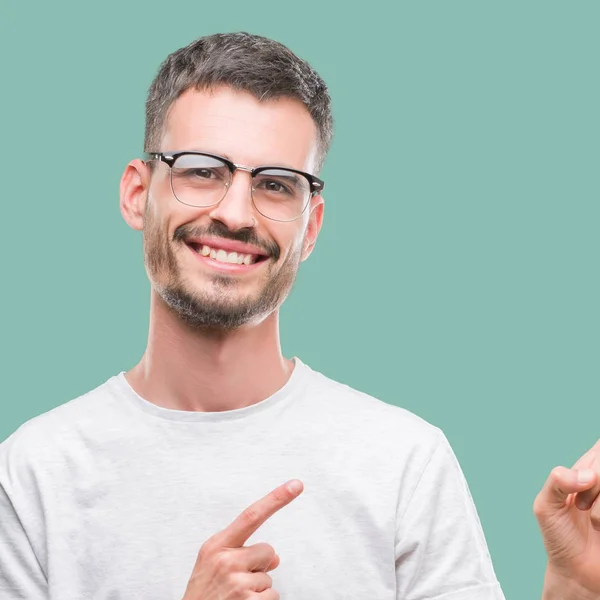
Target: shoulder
{"points": [[40, 442], [366, 416]]}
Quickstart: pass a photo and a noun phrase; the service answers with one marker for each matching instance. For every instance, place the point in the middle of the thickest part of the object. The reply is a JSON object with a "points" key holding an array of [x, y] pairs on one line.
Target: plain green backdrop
{"points": [[456, 273]]}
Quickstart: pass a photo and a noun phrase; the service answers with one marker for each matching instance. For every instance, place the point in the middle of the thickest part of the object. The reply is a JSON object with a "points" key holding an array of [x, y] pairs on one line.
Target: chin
{"points": [[224, 312]]}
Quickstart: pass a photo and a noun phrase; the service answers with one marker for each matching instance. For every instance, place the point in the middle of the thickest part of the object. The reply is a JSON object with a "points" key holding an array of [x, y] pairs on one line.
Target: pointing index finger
{"points": [[237, 533]]}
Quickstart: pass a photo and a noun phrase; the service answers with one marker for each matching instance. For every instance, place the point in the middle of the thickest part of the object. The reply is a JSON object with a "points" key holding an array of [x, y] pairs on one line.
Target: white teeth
{"points": [[224, 256]]}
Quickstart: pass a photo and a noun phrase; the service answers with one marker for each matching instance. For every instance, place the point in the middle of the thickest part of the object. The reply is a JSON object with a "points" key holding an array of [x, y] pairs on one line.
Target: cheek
{"points": [[166, 213], [291, 238], [160, 197]]}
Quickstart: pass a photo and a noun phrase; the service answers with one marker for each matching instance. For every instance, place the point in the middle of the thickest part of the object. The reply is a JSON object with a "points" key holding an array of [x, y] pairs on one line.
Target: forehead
{"points": [[238, 126]]}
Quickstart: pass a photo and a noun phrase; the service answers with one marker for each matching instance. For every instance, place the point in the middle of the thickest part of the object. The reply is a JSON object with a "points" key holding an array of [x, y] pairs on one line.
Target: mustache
{"points": [[218, 229]]}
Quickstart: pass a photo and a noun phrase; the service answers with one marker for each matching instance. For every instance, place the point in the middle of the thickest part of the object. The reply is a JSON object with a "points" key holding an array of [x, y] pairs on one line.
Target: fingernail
{"points": [[585, 476], [294, 487]]}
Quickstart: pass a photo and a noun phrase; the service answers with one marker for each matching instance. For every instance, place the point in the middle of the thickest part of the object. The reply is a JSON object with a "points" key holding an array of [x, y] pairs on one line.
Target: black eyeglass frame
{"points": [[316, 184]]}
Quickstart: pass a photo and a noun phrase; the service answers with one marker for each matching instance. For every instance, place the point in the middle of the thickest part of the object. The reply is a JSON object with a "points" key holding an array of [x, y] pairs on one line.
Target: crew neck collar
{"points": [[189, 416]]}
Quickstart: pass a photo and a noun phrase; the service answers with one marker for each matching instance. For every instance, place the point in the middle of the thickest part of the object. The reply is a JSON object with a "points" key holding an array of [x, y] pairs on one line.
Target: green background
{"points": [[456, 273]]}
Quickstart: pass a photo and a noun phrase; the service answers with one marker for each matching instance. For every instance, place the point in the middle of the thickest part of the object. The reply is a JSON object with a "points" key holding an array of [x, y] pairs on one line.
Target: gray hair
{"points": [[245, 62]]}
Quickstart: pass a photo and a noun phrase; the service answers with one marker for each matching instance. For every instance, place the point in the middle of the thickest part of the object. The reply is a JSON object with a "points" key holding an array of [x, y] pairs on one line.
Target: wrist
{"points": [[559, 587]]}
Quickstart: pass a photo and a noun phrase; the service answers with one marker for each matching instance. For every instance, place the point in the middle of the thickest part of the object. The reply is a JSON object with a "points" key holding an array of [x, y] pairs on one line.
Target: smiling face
{"points": [[225, 265]]}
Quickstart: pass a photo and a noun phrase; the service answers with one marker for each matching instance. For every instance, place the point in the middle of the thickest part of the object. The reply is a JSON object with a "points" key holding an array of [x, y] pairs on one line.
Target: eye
{"points": [[273, 186], [201, 173]]}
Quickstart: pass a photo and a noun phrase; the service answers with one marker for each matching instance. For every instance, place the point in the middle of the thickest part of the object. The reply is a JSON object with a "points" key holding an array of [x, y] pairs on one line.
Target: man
{"points": [[217, 469]]}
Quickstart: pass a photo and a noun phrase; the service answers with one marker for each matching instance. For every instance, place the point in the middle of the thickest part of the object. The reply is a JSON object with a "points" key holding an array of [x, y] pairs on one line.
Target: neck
{"points": [[189, 369]]}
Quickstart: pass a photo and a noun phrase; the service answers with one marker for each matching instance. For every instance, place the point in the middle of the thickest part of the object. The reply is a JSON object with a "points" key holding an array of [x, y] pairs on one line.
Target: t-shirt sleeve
{"points": [[21, 576], [441, 552]]}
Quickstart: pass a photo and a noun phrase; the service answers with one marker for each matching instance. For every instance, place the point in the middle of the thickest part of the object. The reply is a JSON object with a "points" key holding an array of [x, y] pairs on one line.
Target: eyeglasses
{"points": [[202, 180]]}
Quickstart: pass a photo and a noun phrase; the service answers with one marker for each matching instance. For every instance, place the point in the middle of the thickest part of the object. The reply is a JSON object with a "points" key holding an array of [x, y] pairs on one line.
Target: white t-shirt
{"points": [[110, 497]]}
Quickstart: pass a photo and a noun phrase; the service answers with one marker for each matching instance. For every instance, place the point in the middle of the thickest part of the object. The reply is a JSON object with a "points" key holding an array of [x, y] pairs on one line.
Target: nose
{"points": [[236, 209]]}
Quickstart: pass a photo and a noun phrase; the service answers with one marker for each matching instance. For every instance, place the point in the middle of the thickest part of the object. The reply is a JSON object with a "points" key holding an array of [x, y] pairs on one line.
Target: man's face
{"points": [[205, 291]]}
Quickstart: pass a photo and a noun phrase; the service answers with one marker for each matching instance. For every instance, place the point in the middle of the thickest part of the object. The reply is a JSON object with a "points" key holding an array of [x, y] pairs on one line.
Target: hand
{"points": [[227, 570], [568, 512]]}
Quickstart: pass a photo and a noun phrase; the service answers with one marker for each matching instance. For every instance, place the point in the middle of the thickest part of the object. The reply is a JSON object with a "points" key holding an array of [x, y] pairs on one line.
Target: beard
{"points": [[217, 307]]}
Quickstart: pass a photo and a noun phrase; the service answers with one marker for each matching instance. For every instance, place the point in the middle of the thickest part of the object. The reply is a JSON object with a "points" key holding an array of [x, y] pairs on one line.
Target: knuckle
{"points": [[557, 479], [268, 549], [250, 516], [539, 506], [555, 474], [205, 551], [223, 562], [270, 554], [282, 494], [238, 588]]}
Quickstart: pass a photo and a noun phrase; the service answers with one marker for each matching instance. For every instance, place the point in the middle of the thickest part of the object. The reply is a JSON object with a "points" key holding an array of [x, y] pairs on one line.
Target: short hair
{"points": [[245, 62]]}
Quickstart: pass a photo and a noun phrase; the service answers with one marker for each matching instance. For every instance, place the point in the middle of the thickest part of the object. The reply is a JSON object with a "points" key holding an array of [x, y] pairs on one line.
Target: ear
{"points": [[315, 220], [135, 183]]}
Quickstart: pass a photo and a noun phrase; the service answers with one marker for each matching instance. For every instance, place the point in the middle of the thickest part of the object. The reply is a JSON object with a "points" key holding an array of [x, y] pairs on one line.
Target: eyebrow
{"points": [[224, 155], [293, 177]]}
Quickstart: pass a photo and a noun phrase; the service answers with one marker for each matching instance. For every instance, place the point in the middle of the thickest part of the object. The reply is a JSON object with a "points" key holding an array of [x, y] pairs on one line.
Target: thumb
{"points": [[561, 483]]}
